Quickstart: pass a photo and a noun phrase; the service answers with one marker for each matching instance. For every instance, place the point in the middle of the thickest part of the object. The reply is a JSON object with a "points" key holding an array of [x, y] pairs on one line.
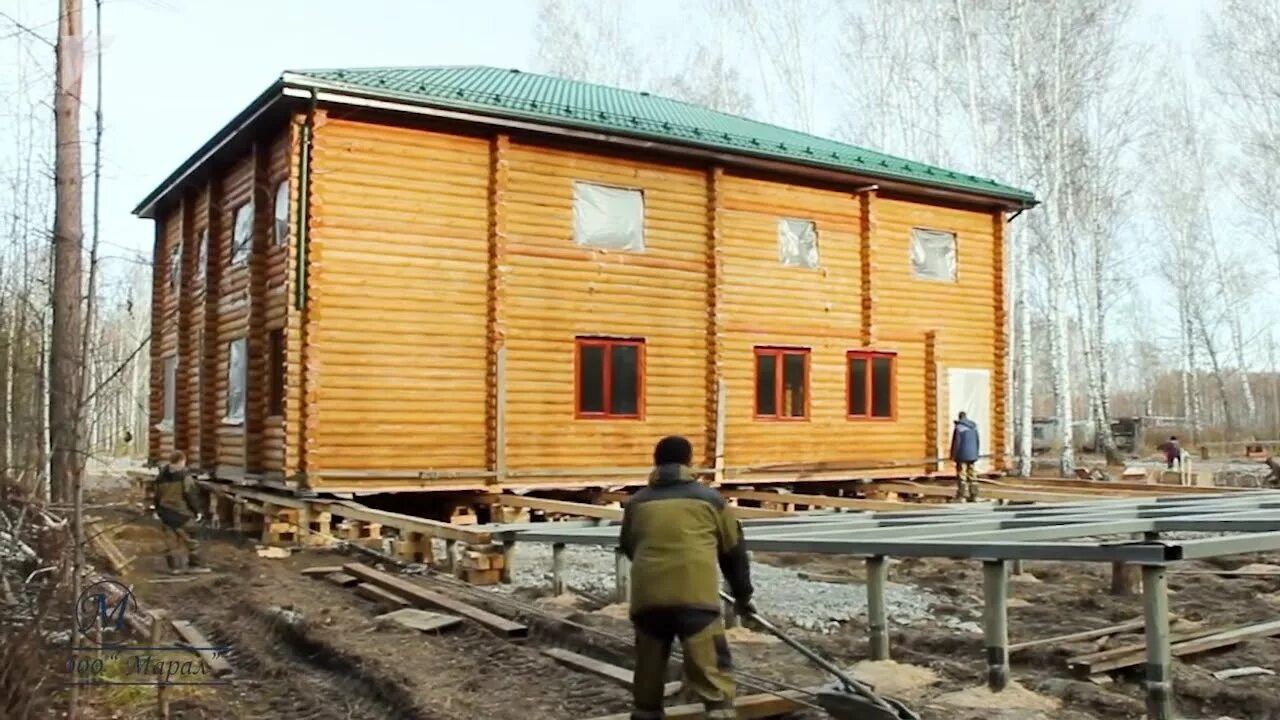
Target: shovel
{"points": [[846, 699]]}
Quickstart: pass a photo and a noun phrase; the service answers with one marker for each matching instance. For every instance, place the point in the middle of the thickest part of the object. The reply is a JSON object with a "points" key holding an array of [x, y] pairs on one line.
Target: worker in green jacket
{"points": [[677, 532], [177, 506]]}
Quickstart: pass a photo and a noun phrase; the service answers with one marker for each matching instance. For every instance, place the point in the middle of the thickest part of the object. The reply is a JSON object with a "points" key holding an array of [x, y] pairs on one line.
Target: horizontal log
{"points": [[617, 675], [404, 523], [560, 507], [217, 664], [422, 598], [1131, 626]]}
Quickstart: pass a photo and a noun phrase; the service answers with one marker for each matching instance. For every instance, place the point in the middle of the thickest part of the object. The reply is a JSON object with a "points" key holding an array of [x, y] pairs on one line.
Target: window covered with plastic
{"points": [[609, 218], [282, 213], [237, 367], [797, 243], [242, 234], [933, 255]]}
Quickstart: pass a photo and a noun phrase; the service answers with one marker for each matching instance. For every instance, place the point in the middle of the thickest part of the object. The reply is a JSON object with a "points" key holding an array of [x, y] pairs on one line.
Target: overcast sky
{"points": [[177, 70]]}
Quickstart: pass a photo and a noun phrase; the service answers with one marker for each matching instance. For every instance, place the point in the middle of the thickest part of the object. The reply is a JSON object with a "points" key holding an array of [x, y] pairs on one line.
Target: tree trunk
{"points": [[65, 363]]}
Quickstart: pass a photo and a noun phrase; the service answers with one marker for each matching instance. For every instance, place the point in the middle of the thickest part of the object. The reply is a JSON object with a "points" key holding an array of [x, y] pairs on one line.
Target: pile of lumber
{"points": [[1183, 643]]}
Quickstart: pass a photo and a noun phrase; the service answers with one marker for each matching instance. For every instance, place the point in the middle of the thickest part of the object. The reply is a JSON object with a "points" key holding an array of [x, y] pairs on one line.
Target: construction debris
{"points": [[273, 552], [412, 594], [618, 675], [1184, 644], [1242, 672]]}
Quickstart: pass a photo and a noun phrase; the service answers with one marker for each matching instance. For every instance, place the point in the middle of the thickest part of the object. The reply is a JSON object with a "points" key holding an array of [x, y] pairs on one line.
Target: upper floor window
{"points": [[242, 234], [873, 384], [797, 243], [281, 225], [610, 218], [175, 267], [610, 377], [782, 383], [933, 254]]}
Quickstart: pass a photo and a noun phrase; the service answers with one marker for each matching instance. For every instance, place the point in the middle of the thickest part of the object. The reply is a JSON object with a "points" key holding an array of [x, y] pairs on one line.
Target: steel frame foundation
{"points": [[1086, 531]]}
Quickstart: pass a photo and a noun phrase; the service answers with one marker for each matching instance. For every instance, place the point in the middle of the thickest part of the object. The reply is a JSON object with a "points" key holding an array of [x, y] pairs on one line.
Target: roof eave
{"points": [[303, 86], [229, 132]]}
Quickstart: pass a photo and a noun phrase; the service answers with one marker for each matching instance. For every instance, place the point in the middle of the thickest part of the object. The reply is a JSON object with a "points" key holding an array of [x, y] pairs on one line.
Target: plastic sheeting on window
{"points": [[933, 254], [175, 267], [609, 218], [282, 212], [242, 235], [202, 254], [236, 370], [170, 392], [798, 243]]}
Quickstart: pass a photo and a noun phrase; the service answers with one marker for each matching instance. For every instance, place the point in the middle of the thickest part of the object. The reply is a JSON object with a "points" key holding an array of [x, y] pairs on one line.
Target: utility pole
{"points": [[65, 363]]}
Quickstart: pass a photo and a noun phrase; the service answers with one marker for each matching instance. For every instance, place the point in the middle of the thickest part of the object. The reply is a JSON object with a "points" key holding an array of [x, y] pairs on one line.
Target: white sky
{"points": [[177, 70]]}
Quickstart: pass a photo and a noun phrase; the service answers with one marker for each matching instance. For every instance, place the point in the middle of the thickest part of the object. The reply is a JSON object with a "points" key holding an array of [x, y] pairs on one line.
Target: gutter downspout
{"points": [[300, 288]]}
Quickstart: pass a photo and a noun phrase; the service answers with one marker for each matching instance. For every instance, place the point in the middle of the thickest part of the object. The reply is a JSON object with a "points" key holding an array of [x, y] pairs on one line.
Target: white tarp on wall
{"points": [[609, 218], [968, 391]]}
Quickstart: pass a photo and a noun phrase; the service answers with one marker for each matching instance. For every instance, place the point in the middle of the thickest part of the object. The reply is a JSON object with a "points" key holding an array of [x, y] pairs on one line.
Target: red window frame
{"points": [[779, 389], [607, 390], [870, 356]]}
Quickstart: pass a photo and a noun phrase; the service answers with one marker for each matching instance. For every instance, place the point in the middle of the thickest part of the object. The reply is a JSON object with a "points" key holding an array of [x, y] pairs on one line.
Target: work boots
{"points": [[196, 565], [175, 566]]}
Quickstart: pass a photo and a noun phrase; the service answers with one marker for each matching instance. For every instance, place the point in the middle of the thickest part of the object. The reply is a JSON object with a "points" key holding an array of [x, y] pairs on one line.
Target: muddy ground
{"points": [[333, 662]]}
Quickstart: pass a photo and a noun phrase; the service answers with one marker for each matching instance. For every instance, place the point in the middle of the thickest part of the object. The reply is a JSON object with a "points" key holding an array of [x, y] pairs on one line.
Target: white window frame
{"points": [[237, 375], [170, 393], [281, 225], [242, 234], [596, 220], [787, 233], [917, 247]]}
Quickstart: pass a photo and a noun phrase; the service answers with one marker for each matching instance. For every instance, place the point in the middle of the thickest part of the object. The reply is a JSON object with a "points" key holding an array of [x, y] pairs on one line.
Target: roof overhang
{"points": [[293, 88]]}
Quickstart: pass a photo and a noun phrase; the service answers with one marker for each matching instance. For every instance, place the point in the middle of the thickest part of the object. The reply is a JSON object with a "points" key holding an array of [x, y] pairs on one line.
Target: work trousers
{"points": [[176, 530], [966, 482], [707, 661]]}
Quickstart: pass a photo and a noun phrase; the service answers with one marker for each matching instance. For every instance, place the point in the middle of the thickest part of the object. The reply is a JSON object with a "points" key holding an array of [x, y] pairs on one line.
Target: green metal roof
{"points": [[565, 102]]}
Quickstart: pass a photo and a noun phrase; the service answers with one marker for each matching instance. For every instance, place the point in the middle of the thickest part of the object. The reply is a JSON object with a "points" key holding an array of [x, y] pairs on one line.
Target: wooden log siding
{"points": [[191, 367], [557, 290], [768, 304], [1000, 363], [961, 313], [232, 312], [398, 300], [428, 253]]}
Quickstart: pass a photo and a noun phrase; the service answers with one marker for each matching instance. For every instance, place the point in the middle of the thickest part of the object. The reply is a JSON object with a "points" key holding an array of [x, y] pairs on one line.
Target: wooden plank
{"points": [[321, 570], [618, 675], [380, 596], [342, 579], [560, 506], [749, 707], [1187, 644], [1131, 626], [407, 523], [217, 664], [422, 597], [821, 500]]}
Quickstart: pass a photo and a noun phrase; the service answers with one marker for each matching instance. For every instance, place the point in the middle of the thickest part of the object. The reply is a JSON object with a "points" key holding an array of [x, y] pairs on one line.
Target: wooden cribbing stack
{"points": [[481, 564]]}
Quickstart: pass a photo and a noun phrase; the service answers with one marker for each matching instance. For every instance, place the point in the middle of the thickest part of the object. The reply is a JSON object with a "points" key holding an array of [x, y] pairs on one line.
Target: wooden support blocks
{"points": [[279, 526], [414, 547], [481, 564]]}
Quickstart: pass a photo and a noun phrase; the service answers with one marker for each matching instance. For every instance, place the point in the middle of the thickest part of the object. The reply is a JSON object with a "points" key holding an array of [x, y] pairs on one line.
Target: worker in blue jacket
{"points": [[965, 448]]}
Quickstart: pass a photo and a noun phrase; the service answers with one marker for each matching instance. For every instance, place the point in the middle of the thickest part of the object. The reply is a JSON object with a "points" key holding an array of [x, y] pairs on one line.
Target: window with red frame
{"points": [[610, 378], [782, 383], [873, 385]]}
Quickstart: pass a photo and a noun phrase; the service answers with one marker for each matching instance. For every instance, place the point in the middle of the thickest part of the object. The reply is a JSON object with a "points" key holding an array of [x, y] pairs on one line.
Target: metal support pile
{"points": [[1087, 531]]}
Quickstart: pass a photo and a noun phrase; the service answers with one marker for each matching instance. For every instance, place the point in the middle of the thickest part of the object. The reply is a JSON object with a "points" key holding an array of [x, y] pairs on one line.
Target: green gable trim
{"points": [[562, 102]]}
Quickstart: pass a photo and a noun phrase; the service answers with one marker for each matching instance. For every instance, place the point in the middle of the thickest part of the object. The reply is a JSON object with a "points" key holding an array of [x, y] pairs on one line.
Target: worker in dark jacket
{"points": [[177, 505], [965, 448], [1172, 452], [677, 532]]}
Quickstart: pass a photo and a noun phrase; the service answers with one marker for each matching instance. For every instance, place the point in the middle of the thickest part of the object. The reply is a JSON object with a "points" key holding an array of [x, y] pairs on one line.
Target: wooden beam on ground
{"points": [[1086, 484], [1185, 644], [406, 523], [202, 647], [1131, 626], [820, 500], [561, 507], [422, 597], [380, 596], [342, 579], [984, 491], [321, 570], [749, 707], [617, 675]]}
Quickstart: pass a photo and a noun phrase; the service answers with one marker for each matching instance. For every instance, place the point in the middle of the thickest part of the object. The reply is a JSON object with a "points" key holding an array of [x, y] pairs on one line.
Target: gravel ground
{"points": [[780, 592]]}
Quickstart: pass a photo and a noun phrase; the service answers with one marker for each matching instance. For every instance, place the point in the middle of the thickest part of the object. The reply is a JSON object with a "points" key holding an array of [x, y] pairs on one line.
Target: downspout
{"points": [[300, 289]]}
